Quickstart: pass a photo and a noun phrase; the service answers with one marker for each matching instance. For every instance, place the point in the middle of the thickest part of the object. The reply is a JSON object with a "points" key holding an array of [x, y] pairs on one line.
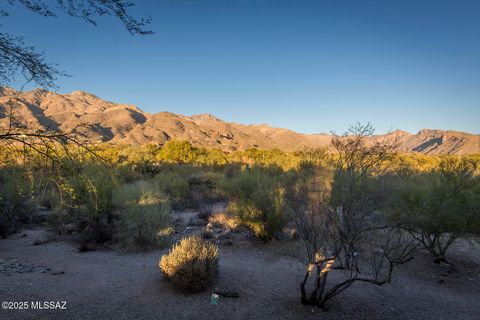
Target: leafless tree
{"points": [[339, 224]]}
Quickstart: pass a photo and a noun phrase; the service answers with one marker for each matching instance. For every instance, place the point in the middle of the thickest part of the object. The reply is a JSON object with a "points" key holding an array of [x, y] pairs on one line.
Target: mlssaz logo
{"points": [[49, 305]]}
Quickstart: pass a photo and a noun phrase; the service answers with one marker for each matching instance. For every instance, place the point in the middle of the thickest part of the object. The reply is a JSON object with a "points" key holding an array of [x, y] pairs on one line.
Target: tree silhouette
{"points": [[18, 58]]}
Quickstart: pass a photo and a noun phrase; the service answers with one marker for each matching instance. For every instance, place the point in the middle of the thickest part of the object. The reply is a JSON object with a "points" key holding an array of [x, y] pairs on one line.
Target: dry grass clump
{"points": [[224, 220], [191, 264]]}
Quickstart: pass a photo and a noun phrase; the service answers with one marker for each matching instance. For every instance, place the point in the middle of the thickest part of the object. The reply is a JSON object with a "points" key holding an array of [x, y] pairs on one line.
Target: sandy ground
{"points": [[114, 285]]}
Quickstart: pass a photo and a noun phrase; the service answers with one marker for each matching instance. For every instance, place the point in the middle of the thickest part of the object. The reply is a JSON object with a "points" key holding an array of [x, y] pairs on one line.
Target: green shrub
{"points": [[175, 186], [15, 198], [83, 199], [202, 190], [257, 199], [145, 215], [191, 264], [92, 195], [439, 206], [188, 186], [177, 152]]}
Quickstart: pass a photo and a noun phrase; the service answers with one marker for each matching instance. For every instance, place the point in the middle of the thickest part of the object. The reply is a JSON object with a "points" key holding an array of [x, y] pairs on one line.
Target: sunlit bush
{"points": [[177, 152], [191, 264], [224, 220]]}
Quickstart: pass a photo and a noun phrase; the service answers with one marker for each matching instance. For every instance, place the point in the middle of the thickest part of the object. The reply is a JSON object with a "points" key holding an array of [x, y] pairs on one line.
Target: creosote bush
{"points": [[191, 264], [175, 186], [257, 199], [145, 216]]}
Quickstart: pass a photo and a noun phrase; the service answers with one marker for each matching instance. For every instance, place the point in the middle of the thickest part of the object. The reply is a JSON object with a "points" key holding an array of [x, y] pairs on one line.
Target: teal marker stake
{"points": [[214, 300]]}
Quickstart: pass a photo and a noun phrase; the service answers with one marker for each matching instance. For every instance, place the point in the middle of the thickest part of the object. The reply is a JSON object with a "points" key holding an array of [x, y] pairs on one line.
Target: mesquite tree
{"points": [[337, 218], [439, 206]]}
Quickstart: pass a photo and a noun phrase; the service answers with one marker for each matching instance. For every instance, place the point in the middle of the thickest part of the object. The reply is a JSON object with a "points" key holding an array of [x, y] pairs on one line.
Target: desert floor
{"points": [[110, 284]]}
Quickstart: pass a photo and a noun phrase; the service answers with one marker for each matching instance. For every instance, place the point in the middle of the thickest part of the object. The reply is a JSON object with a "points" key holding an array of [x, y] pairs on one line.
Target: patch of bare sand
{"points": [[114, 285]]}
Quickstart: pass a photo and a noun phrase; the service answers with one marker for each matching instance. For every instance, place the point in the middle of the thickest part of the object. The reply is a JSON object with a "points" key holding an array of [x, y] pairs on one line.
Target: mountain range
{"points": [[105, 121]]}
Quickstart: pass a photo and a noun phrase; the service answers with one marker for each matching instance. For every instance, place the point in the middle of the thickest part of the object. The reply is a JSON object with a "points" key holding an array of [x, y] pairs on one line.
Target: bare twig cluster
{"points": [[340, 225]]}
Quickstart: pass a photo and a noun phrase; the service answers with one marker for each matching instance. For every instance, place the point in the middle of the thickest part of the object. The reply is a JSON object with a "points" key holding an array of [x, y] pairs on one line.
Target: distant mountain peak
{"points": [[83, 93], [204, 116], [127, 124]]}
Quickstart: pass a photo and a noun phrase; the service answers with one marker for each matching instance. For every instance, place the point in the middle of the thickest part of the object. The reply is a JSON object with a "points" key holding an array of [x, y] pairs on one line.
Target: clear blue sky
{"points": [[311, 66]]}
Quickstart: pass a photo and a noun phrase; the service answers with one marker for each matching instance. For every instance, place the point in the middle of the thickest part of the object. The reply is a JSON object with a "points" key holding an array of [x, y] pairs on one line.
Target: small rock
{"points": [[71, 227], [224, 235], [56, 273], [227, 243], [207, 234]]}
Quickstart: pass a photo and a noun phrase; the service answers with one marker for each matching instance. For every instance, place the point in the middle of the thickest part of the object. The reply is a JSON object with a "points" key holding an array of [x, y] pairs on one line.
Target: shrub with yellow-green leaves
{"points": [[257, 198], [145, 215], [191, 264]]}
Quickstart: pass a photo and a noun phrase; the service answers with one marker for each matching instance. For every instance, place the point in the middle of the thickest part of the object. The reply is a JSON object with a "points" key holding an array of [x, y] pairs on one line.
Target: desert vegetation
{"points": [[130, 214], [340, 223], [192, 264], [359, 209], [438, 206]]}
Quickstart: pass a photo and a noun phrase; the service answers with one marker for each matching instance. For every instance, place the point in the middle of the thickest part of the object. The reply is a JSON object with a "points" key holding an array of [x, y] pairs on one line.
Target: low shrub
{"points": [[224, 220], [15, 199], [438, 206], [145, 215], [191, 264], [175, 186], [90, 195], [257, 200], [202, 191], [103, 181], [82, 199]]}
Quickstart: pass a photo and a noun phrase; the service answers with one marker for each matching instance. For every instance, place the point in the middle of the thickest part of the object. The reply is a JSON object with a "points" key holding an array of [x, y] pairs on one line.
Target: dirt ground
{"points": [[109, 284]]}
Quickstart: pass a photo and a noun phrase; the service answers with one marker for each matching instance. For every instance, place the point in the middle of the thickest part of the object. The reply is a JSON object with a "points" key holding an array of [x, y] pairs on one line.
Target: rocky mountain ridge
{"points": [[105, 121]]}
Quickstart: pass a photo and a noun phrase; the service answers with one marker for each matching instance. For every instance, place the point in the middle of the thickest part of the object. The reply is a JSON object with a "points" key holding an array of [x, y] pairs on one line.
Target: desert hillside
{"points": [[106, 121]]}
